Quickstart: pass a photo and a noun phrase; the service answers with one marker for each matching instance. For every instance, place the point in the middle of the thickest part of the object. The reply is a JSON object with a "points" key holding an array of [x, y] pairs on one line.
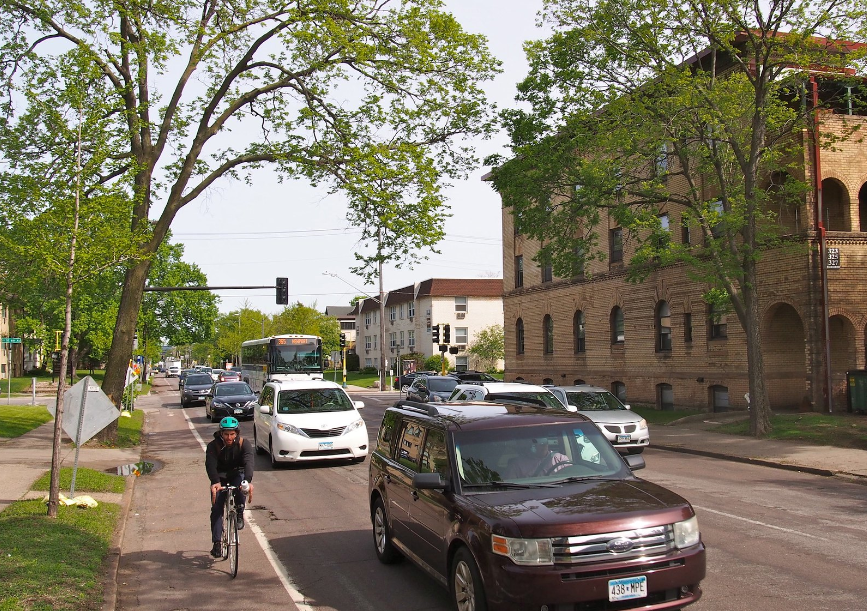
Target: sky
{"points": [[248, 235]]}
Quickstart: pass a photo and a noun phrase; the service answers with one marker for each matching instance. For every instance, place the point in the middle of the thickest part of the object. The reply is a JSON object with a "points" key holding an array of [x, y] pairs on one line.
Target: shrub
{"points": [[353, 362], [369, 370], [434, 363]]}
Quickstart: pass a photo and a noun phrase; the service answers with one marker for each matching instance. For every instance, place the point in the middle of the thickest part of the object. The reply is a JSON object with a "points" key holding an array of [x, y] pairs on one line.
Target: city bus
{"points": [[281, 357]]}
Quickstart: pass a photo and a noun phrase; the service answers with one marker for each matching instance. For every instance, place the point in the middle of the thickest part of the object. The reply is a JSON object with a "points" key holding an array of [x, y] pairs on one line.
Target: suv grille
{"points": [[594, 548], [324, 433]]}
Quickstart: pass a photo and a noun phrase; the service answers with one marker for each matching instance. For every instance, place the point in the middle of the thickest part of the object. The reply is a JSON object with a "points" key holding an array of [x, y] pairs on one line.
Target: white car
{"points": [[306, 420], [625, 429], [491, 391]]}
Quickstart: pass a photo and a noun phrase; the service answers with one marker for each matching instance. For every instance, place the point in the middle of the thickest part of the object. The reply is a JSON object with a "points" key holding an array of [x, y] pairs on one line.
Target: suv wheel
{"points": [[385, 550], [465, 583]]}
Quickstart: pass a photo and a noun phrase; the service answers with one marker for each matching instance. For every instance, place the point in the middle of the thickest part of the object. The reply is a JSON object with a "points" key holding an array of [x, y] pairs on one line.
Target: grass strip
{"points": [[86, 480], [50, 563], [15, 420], [838, 430], [658, 416]]}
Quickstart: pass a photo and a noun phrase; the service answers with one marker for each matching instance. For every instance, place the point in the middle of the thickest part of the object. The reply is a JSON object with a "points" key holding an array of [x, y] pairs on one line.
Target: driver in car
{"points": [[538, 458]]}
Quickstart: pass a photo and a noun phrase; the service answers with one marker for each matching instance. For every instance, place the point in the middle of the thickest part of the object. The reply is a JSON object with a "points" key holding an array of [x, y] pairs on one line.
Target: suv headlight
{"points": [[533, 552], [283, 426], [686, 533], [353, 426]]}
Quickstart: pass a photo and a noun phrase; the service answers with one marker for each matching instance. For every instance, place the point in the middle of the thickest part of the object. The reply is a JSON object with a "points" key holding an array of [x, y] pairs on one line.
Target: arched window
{"points": [[548, 381], [548, 334], [578, 382], [618, 389], [519, 336], [663, 327], [618, 335], [578, 332], [664, 396]]}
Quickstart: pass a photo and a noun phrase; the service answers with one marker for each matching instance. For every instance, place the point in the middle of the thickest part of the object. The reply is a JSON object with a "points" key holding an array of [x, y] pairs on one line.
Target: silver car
{"points": [[625, 429]]}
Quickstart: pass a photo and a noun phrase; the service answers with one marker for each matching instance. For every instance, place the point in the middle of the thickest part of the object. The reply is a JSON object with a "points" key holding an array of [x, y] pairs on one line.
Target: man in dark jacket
{"points": [[228, 460]]}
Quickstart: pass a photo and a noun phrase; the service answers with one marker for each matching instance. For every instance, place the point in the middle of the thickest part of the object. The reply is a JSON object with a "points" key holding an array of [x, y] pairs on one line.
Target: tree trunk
{"points": [[760, 408], [121, 344]]}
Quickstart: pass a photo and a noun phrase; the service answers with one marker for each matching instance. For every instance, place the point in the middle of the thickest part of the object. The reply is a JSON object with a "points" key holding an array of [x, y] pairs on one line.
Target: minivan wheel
{"points": [[465, 583], [385, 550], [274, 463]]}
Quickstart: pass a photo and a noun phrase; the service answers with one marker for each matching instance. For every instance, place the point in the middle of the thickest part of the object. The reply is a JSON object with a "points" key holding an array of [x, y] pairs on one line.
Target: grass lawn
{"points": [[840, 430], [86, 480], [15, 420], [128, 432], [50, 563], [658, 416], [365, 380]]}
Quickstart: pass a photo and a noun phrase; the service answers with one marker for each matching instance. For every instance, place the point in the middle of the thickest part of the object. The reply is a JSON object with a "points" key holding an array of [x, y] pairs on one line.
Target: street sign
{"points": [[11, 340], [99, 414]]}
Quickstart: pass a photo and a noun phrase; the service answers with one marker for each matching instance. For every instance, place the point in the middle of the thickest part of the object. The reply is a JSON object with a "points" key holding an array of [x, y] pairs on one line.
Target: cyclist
{"points": [[228, 460]]}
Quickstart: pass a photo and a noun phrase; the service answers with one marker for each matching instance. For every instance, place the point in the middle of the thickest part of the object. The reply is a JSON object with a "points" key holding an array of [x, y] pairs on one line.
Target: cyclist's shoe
{"points": [[217, 550], [240, 521]]}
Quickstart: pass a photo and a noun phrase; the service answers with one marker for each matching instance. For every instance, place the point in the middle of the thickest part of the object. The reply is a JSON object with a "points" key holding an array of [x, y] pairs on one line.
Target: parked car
{"points": [[230, 399], [405, 381], [493, 391], [431, 388], [625, 429], [196, 388], [473, 376], [304, 420], [230, 375], [446, 490]]}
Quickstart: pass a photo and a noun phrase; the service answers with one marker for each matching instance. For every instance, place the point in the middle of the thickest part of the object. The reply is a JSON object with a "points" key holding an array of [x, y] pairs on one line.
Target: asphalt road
{"points": [[777, 540]]}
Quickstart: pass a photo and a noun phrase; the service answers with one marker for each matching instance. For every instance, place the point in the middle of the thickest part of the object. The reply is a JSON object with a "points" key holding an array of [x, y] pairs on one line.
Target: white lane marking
{"points": [[757, 523], [282, 574]]}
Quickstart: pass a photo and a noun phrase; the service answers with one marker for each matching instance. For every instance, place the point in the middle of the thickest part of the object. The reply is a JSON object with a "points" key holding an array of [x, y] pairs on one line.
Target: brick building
{"points": [[657, 342]]}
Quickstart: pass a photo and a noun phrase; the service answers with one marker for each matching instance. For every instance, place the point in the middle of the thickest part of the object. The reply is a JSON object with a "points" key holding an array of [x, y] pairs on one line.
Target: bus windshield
{"points": [[296, 355]]}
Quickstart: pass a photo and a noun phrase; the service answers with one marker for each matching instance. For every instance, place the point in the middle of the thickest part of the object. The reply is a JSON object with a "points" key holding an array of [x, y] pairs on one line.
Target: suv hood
{"points": [[583, 507]]}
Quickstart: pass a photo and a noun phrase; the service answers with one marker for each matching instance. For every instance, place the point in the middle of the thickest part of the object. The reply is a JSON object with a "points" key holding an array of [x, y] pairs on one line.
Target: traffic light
{"points": [[282, 291], [343, 340], [435, 330], [447, 334]]}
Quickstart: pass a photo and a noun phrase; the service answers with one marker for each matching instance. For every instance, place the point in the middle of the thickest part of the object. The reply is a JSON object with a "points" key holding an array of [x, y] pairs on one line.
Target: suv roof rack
{"points": [[417, 406]]}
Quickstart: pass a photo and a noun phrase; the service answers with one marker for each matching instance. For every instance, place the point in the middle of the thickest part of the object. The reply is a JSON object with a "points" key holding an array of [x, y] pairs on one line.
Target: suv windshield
{"points": [[527, 455], [596, 400], [198, 379], [226, 390], [311, 401]]}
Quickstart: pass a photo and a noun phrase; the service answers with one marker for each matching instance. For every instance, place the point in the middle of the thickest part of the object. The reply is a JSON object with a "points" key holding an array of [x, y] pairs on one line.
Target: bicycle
{"points": [[229, 542]]}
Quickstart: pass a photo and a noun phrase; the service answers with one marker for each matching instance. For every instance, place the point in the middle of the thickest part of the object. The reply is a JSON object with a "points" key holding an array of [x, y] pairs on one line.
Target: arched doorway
{"points": [[785, 355], [862, 207], [843, 356], [835, 204]]}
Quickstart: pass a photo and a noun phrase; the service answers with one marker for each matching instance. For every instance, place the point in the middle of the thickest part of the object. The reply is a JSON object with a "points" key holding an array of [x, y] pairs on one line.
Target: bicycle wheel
{"points": [[228, 509], [233, 544]]}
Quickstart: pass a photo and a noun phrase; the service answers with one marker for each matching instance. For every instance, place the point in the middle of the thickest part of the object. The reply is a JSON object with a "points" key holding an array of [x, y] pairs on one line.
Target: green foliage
{"points": [[353, 362], [302, 319], [15, 420], [368, 371], [489, 345], [434, 363], [86, 480], [54, 563]]}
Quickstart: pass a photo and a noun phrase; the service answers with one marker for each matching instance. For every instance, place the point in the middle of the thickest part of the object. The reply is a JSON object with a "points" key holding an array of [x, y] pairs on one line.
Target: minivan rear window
{"points": [[311, 401]]}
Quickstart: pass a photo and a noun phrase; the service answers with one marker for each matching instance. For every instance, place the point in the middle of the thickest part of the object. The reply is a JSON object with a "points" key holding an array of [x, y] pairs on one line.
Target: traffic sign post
{"points": [[11, 340]]}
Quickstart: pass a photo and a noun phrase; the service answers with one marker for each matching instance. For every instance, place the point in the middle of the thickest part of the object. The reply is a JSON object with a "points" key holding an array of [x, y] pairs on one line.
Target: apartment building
{"points": [[346, 319], [468, 305]]}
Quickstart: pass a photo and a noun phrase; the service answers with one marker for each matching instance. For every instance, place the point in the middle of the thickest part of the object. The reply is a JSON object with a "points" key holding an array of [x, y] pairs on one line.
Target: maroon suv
{"points": [[513, 506]]}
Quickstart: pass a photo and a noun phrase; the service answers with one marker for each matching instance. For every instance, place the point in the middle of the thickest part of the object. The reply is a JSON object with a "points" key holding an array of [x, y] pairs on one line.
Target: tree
{"points": [[629, 98], [304, 320], [339, 92], [489, 345]]}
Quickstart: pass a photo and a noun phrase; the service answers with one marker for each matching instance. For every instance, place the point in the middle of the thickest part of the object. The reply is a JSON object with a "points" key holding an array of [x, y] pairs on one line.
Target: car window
{"points": [[420, 384], [225, 390], [198, 379], [409, 444], [435, 458], [588, 401], [386, 433], [266, 397], [539, 398], [442, 385], [308, 401]]}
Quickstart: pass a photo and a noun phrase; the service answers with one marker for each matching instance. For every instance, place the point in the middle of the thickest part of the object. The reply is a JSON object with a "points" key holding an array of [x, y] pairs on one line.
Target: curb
{"points": [[109, 593], [754, 461]]}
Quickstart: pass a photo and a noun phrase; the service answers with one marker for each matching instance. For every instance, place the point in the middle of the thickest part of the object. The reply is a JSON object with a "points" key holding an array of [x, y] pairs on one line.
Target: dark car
{"points": [[230, 375], [473, 376], [230, 399], [196, 388], [431, 388], [516, 507], [182, 376], [404, 381]]}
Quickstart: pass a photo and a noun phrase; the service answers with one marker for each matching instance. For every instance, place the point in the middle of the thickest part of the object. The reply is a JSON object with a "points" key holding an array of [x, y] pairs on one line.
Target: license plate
{"points": [[326, 445], [627, 588], [624, 438], [239, 411]]}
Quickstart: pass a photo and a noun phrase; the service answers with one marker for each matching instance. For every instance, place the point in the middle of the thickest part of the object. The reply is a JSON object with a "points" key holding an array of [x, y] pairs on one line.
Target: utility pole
{"points": [[381, 314]]}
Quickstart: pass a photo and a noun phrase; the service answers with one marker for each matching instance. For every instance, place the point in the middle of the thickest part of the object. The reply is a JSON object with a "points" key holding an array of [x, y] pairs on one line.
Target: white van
{"points": [[305, 420]]}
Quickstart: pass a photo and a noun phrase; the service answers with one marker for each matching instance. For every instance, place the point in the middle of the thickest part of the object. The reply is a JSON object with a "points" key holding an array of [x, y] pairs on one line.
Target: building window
{"points": [[367, 318], [367, 342], [461, 305], [618, 335], [719, 397], [519, 271], [663, 327], [717, 229], [716, 322], [548, 334], [547, 273], [411, 309], [519, 336], [368, 362], [664, 397], [548, 381], [687, 327], [615, 243], [665, 236], [401, 339], [661, 163], [401, 310], [347, 325], [618, 389], [392, 313], [392, 340], [578, 330], [578, 382], [462, 363], [410, 338], [578, 265], [685, 237], [375, 341], [461, 335]]}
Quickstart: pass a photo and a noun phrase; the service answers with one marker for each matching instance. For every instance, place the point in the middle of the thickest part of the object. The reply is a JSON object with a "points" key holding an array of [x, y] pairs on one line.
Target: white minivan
{"points": [[306, 420]]}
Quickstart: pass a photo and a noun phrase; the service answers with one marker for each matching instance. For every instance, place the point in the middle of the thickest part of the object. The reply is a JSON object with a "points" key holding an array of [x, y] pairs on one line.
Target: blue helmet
{"points": [[229, 424]]}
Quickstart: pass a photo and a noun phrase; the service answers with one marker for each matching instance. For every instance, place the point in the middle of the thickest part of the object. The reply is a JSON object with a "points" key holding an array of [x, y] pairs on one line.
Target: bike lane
{"points": [[165, 562]]}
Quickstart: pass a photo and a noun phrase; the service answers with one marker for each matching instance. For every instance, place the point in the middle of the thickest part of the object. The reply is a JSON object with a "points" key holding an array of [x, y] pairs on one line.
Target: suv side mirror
{"points": [[634, 462], [429, 481]]}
